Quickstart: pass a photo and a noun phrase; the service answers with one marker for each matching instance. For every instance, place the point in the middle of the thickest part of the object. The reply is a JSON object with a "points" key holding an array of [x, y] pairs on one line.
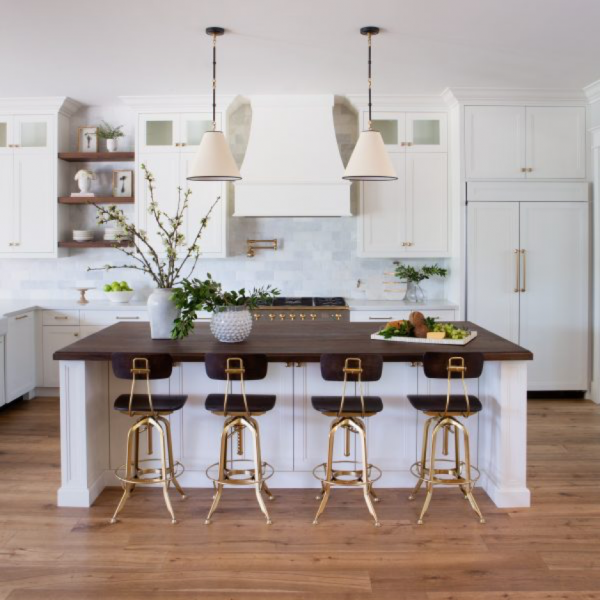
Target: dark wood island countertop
{"points": [[281, 342]]}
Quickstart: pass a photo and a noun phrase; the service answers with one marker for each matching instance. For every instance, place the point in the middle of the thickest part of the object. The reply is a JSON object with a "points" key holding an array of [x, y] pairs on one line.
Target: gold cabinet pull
{"points": [[523, 169], [524, 255], [60, 318], [530, 170], [518, 280], [126, 318], [380, 318], [21, 317]]}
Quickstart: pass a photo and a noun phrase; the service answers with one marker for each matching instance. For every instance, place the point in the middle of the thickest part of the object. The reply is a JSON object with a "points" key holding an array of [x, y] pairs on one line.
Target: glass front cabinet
{"points": [[177, 131], [411, 132]]}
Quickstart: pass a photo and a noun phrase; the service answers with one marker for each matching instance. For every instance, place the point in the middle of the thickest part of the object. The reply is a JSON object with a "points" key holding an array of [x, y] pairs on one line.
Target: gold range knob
{"points": [[292, 316], [337, 316], [282, 316], [256, 316], [302, 316], [271, 316], [312, 316]]}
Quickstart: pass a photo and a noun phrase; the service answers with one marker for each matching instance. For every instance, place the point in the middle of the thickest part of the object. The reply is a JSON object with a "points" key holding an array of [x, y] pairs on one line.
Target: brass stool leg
{"points": [[136, 457], [457, 468], [372, 493], [164, 469], [171, 461], [360, 428], [127, 487], [431, 472], [252, 425], [267, 491], [470, 485], [222, 462], [326, 485], [426, 428]]}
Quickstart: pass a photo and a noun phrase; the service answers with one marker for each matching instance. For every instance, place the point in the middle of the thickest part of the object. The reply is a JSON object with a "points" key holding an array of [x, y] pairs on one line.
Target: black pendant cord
{"points": [[370, 103], [214, 83]]}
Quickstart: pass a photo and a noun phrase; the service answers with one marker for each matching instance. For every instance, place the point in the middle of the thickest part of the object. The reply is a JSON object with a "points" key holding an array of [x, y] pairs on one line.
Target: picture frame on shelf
{"points": [[122, 183], [87, 138]]}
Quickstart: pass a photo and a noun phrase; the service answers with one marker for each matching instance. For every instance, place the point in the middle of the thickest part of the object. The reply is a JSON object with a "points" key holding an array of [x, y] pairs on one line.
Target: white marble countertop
{"points": [[400, 305], [10, 308]]}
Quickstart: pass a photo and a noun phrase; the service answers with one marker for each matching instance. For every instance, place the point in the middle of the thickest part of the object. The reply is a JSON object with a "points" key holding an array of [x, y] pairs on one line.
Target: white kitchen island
{"points": [[293, 435]]}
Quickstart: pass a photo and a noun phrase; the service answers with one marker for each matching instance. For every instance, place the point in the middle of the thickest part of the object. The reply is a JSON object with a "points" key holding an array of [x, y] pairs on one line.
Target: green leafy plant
{"points": [[194, 295], [410, 273], [108, 132], [165, 266]]}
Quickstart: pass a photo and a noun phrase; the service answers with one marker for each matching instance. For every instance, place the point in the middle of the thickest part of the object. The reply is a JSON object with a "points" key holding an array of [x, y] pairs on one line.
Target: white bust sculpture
{"points": [[84, 180]]}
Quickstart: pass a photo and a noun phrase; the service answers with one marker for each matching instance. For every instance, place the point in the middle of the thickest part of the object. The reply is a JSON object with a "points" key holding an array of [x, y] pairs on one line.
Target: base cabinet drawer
{"points": [[110, 317], [60, 317], [53, 339], [383, 316], [20, 356]]}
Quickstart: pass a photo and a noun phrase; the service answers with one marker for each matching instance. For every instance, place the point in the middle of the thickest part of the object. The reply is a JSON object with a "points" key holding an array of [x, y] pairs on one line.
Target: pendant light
{"points": [[213, 160], [370, 160]]}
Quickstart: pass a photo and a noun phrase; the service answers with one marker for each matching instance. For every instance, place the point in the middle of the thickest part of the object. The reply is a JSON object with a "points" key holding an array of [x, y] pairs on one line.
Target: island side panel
{"points": [[503, 433], [84, 431]]}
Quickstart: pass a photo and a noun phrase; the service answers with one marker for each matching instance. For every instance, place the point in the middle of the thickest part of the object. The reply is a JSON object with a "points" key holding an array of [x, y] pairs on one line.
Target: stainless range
{"points": [[303, 309]]}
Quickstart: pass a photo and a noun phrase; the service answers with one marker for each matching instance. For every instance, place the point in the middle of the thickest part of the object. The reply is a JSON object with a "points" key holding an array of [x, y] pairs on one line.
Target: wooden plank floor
{"points": [[551, 551]]}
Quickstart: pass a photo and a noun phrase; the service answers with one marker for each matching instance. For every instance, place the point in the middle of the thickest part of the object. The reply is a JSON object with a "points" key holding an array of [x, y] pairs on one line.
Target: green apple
{"points": [[107, 287]]}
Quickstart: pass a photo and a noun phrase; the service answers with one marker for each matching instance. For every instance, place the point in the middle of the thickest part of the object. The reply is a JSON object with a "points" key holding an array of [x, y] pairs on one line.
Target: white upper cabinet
{"points": [[411, 132], [517, 142], [167, 143], [28, 185], [495, 142], [556, 142]]}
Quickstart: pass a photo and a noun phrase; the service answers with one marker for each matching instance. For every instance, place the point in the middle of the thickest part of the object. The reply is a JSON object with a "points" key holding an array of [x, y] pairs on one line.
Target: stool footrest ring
{"points": [[446, 476], [240, 472], [347, 473], [145, 475]]}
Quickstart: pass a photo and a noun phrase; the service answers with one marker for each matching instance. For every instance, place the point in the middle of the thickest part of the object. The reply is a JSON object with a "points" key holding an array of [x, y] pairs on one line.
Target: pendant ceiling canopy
{"points": [[370, 160], [213, 160]]}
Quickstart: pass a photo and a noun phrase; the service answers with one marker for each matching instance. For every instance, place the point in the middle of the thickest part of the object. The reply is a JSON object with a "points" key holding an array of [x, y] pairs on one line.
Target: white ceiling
{"points": [[97, 50]]}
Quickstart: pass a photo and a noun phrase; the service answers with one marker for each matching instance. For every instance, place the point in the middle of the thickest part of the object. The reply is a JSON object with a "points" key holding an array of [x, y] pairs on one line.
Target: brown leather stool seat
{"points": [[160, 402], [257, 403], [437, 403], [352, 404]]}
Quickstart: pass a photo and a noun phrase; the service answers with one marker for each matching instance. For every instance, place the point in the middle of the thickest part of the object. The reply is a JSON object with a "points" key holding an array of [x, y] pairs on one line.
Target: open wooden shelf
{"points": [[97, 156], [93, 244], [96, 200]]}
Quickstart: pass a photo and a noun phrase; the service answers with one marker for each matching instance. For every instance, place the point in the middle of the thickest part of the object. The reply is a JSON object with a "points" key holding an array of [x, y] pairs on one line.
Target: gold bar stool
{"points": [[443, 412], [349, 413], [152, 411], [239, 411]]}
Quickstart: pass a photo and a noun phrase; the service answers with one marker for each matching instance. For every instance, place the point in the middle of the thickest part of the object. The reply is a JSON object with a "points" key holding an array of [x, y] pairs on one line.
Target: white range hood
{"points": [[292, 166]]}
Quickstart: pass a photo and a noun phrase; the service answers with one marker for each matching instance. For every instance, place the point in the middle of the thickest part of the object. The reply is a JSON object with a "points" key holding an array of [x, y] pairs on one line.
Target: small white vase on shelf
{"points": [[112, 145], [162, 312], [231, 324]]}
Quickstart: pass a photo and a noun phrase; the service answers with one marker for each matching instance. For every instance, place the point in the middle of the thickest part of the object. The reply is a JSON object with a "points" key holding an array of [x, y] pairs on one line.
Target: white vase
{"points": [[111, 145], [231, 324], [162, 312]]}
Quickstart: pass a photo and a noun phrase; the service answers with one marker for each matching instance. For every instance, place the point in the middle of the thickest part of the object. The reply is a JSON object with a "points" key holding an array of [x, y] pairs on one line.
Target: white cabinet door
{"points": [[34, 133], [2, 379], [426, 132], [6, 134], [204, 195], [495, 142], [427, 204], [165, 168], [392, 126], [20, 355], [554, 293], [556, 142], [382, 222], [34, 223], [158, 133], [54, 338], [192, 127], [6, 203], [492, 267]]}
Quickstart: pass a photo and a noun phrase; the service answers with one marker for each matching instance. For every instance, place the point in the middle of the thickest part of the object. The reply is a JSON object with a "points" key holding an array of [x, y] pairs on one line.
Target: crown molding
{"points": [[469, 95], [592, 91], [53, 104], [385, 101], [191, 103]]}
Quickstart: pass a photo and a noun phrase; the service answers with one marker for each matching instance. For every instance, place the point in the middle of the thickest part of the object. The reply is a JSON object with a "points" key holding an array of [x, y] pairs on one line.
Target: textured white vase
{"points": [[231, 324], [162, 312], [111, 145]]}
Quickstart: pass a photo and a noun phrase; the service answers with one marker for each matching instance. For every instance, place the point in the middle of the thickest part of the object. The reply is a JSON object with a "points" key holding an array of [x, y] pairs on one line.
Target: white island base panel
{"points": [[293, 435]]}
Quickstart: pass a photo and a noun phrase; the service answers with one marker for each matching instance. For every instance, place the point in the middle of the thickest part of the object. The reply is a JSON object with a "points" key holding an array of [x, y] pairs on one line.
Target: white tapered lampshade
{"points": [[370, 160], [213, 161]]}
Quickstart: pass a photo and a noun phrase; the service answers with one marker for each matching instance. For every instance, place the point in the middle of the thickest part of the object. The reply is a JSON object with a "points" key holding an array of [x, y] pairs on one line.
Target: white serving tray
{"points": [[412, 340]]}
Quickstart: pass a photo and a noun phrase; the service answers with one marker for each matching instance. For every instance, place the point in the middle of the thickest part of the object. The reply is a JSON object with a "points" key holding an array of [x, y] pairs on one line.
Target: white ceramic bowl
{"points": [[120, 297]]}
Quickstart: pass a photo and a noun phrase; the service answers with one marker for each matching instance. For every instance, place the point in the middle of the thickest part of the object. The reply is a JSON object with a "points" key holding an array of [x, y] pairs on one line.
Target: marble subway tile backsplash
{"points": [[317, 257]]}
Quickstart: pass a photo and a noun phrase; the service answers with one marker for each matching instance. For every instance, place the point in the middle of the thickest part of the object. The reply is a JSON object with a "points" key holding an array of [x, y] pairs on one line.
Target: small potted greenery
{"points": [[231, 319], [413, 277], [111, 135]]}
